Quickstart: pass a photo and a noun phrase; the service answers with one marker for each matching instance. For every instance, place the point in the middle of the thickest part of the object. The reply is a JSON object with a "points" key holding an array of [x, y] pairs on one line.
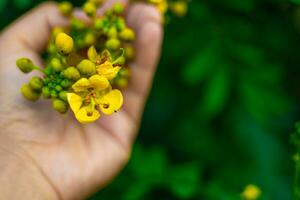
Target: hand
{"points": [[71, 159]]}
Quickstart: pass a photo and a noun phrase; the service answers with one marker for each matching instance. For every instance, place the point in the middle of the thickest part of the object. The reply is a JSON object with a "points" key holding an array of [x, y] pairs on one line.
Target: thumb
{"points": [[34, 28]]}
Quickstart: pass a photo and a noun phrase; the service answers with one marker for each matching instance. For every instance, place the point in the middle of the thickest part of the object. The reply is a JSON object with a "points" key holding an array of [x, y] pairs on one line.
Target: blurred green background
{"points": [[225, 99]]}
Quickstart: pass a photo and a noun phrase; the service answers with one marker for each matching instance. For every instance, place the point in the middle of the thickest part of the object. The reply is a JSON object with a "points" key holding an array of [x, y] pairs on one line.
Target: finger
{"points": [[32, 31], [147, 23]]}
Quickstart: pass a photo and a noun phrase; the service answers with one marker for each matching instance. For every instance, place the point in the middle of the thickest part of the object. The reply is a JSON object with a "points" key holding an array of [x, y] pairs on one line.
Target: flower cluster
{"points": [[76, 75], [178, 7], [85, 63]]}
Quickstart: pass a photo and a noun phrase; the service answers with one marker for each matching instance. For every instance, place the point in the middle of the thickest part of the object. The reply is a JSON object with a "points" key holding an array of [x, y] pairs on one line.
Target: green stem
{"points": [[39, 69]]}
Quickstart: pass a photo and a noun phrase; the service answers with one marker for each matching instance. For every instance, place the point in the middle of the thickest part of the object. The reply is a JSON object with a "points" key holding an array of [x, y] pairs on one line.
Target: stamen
{"points": [[98, 62], [106, 106], [89, 114]]}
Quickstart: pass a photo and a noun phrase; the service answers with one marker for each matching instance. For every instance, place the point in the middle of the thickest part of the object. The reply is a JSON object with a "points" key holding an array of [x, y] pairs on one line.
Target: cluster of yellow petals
{"points": [[94, 94]]}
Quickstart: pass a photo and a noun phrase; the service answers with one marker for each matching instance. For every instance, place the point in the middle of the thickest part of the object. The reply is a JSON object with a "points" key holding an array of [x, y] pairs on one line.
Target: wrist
{"points": [[20, 178]]}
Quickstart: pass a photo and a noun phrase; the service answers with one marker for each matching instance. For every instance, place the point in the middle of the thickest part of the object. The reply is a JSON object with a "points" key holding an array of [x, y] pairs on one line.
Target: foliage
{"points": [[224, 101]]}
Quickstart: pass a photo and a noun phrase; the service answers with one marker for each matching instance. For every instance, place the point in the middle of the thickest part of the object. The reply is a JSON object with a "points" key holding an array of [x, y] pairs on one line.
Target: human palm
{"points": [[75, 159]]}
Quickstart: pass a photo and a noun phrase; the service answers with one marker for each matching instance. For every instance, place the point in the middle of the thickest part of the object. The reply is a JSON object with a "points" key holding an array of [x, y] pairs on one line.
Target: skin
{"points": [[44, 155]]}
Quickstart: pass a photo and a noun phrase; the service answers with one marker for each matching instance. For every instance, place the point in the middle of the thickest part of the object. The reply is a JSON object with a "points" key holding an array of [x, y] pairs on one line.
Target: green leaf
{"points": [[184, 180], [215, 94], [241, 6], [2, 4], [22, 4], [136, 190], [149, 164], [261, 101], [296, 1], [200, 67]]}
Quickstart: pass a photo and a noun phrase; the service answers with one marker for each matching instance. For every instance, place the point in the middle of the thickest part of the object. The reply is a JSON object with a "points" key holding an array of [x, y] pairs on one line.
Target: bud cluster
{"points": [[84, 63], [177, 7]]}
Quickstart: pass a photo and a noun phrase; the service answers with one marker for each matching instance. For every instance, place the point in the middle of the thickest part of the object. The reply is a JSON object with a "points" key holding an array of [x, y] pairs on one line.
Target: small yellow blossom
{"points": [[104, 65], [94, 82], [108, 70], [179, 8], [161, 5], [251, 192], [92, 96]]}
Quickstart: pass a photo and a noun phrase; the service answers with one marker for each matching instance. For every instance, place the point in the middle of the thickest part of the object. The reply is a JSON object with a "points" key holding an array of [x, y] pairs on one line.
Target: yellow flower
{"points": [[111, 102], [108, 70], [97, 58], [161, 5], [179, 8], [251, 192], [92, 96], [104, 64]]}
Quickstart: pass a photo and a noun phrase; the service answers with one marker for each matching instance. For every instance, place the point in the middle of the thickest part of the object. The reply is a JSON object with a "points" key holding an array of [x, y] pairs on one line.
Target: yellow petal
{"points": [[106, 65], [108, 71], [111, 102], [92, 54], [99, 82], [162, 7], [75, 101], [81, 85], [83, 117], [106, 56]]}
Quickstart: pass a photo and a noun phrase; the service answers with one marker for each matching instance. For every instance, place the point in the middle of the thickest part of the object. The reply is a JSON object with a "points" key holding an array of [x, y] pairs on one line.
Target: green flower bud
{"points": [[129, 52], [127, 34], [46, 81], [122, 82], [48, 71], [71, 73], [77, 24], [46, 92], [56, 65], [120, 24], [53, 94], [51, 48], [99, 24], [58, 88], [63, 95], [60, 106], [64, 43], [25, 65], [36, 83], [29, 94], [50, 85], [113, 44], [66, 83], [112, 33], [120, 61], [90, 8], [124, 72], [118, 8], [80, 42], [65, 8], [89, 39], [87, 67]]}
